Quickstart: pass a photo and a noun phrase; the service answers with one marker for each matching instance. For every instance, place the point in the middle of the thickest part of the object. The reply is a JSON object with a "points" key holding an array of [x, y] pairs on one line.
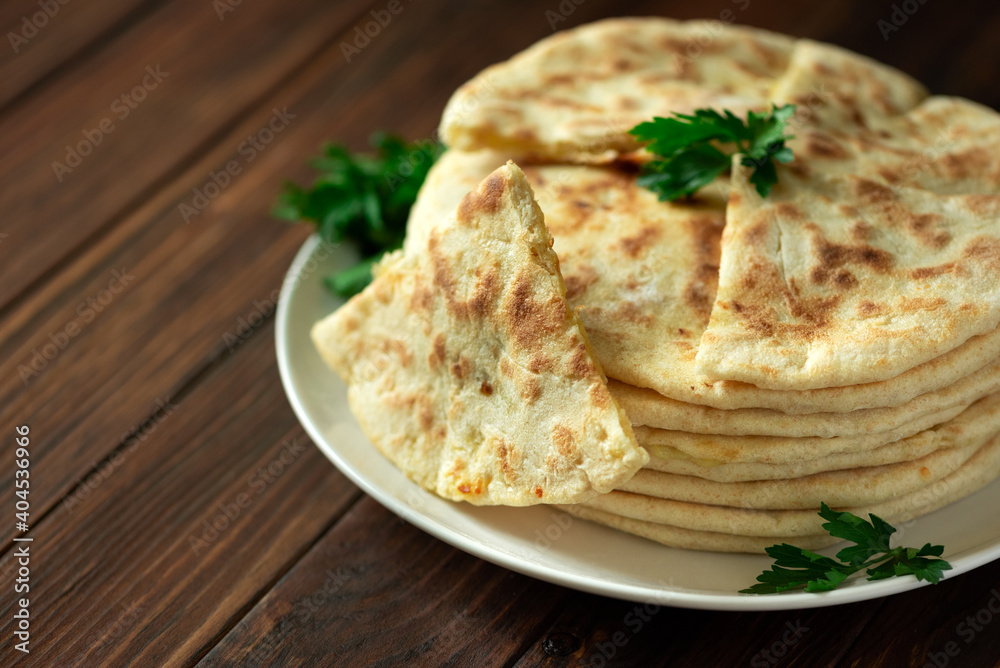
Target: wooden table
{"points": [[136, 320]]}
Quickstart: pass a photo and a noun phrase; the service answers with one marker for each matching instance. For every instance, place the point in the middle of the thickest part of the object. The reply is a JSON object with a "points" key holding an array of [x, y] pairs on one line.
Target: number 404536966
{"points": [[21, 474]]}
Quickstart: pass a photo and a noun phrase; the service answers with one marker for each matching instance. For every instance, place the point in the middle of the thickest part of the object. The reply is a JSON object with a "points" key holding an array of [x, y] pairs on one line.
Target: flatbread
{"points": [[467, 369], [642, 274], [842, 280], [781, 450], [575, 95], [849, 488], [836, 88], [694, 539], [650, 409], [976, 424], [980, 470]]}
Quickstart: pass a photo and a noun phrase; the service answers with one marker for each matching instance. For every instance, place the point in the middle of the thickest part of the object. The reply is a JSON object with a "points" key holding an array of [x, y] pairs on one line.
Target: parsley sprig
{"points": [[691, 146], [795, 568], [361, 198]]}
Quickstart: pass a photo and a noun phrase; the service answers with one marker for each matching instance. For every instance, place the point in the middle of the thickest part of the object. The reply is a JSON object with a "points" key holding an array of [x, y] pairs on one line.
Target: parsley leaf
{"points": [[690, 146], [795, 568], [361, 198]]}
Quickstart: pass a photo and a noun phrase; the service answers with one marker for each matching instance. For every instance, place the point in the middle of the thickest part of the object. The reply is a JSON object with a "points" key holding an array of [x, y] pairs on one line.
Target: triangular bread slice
{"points": [[841, 280], [469, 371]]}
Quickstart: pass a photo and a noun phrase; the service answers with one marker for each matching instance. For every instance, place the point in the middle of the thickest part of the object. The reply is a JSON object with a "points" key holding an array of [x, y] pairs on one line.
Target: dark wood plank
{"points": [[42, 36], [954, 624], [187, 77], [375, 591], [158, 553], [596, 631]]}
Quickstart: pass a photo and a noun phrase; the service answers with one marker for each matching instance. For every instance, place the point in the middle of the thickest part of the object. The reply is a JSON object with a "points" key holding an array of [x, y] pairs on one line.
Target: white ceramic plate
{"points": [[546, 543]]}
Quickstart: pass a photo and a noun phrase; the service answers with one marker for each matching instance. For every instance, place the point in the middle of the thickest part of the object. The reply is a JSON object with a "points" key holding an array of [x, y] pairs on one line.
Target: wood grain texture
{"points": [[376, 591], [41, 37], [121, 485], [955, 624], [187, 77], [167, 544]]}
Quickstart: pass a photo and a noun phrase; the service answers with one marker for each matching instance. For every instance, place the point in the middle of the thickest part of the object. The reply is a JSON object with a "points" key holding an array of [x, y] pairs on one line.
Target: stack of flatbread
{"points": [[834, 342]]}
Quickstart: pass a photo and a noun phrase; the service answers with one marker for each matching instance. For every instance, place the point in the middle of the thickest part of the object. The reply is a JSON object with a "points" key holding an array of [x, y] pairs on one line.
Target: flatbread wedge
{"points": [[840, 280], [467, 368]]}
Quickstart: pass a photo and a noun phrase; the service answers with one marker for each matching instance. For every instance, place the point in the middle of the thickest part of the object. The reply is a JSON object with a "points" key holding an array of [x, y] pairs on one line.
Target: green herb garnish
{"points": [[795, 568], [689, 146], [361, 198]]}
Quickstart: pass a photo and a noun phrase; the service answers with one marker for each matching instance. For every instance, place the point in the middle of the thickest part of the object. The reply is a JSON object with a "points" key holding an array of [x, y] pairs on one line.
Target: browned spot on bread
{"points": [[539, 362], [504, 457], [444, 278], [580, 364], [788, 211], [438, 352], [484, 200], [506, 368], [398, 347], [922, 227], [832, 256], [539, 492], [460, 369], [925, 472], [844, 279], [425, 414], [822, 145], [873, 193], [969, 163], [930, 272], [578, 282], [630, 312], [599, 395], [634, 245], [984, 250], [699, 292], [530, 320], [983, 205], [486, 290], [530, 389], [861, 231], [867, 309], [486, 388], [562, 439], [910, 304]]}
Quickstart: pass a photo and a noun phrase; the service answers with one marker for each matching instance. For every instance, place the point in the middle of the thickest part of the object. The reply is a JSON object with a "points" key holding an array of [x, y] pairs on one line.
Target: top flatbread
{"points": [[468, 370], [579, 92]]}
